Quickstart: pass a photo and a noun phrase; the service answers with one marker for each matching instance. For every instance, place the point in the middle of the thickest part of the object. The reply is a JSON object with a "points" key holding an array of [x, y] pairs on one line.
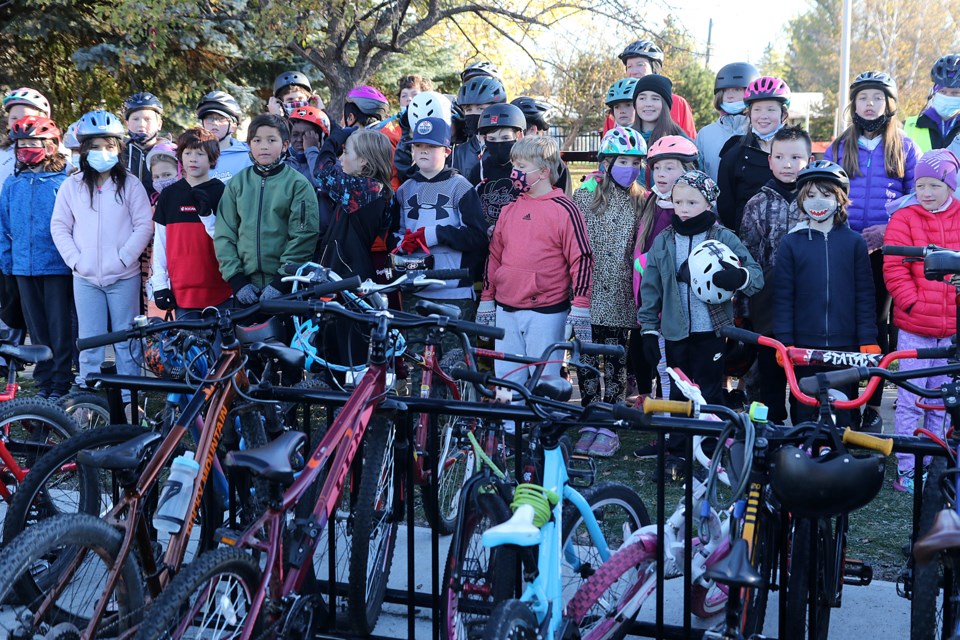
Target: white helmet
{"points": [[706, 259], [428, 104]]}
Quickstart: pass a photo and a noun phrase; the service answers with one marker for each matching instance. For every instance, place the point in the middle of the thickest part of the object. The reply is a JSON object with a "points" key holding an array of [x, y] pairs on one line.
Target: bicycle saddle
{"points": [[735, 570], [272, 329], [126, 455], [29, 354], [272, 460], [554, 387], [828, 485], [940, 264], [294, 358], [518, 530], [943, 535], [426, 308]]}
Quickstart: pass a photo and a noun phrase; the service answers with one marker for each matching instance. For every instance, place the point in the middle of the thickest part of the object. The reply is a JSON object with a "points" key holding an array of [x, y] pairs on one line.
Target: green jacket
{"points": [[263, 223], [919, 135]]}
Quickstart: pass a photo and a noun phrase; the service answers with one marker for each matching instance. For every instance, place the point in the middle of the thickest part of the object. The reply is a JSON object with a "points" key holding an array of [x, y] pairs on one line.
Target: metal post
{"points": [[709, 41], [843, 95]]}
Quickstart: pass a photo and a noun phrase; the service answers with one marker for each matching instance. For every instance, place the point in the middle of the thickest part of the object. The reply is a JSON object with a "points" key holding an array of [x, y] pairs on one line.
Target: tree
{"points": [[685, 64]]}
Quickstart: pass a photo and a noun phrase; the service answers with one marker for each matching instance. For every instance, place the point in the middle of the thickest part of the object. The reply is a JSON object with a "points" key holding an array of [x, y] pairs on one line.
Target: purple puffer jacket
{"points": [[873, 189]]}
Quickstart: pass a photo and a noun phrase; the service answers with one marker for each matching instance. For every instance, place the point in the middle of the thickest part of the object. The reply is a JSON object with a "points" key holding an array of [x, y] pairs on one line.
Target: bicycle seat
{"points": [[126, 455], [294, 358], [554, 387], [270, 330], [426, 308], [827, 485], [940, 264], [735, 570], [272, 460], [519, 530], [943, 535], [29, 354]]}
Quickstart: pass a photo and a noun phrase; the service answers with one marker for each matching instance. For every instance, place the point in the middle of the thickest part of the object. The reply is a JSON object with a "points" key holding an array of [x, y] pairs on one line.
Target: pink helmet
{"points": [[369, 100], [672, 148], [29, 98], [767, 88]]}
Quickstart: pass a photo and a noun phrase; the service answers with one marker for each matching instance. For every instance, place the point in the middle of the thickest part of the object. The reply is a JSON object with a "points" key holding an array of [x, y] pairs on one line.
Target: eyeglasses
{"points": [[215, 120]]}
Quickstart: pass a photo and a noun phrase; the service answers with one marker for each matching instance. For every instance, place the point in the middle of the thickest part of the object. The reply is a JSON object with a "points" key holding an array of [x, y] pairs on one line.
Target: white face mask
{"points": [[820, 208], [946, 106]]}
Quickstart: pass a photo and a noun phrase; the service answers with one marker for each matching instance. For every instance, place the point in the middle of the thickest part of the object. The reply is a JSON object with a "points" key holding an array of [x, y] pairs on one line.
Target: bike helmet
{"points": [[312, 115], [767, 88], [288, 78], [428, 104], [706, 259], [735, 75], [171, 354], [37, 127], [28, 98], [642, 49], [70, 137], [622, 141], [481, 90], [502, 115], [535, 111], [219, 102], [99, 124], [827, 485], [477, 69], [163, 148], [874, 80], [824, 170], [621, 91], [946, 71], [141, 101], [672, 148], [370, 101]]}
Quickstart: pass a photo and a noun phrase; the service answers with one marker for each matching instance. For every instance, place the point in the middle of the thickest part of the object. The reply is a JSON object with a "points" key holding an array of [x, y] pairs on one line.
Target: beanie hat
{"points": [[433, 131], [658, 84], [939, 164], [702, 183]]}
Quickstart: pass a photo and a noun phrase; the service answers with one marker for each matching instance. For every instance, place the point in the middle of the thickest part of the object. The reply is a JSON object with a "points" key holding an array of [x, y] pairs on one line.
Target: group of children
{"points": [[677, 234]]}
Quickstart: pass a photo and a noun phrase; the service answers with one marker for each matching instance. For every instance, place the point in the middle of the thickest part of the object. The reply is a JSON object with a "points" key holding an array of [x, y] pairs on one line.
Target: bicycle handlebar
{"points": [[606, 350], [867, 441], [681, 407], [909, 252]]}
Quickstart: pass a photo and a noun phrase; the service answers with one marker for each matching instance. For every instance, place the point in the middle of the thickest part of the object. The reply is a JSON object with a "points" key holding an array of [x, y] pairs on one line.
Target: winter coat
{"points": [[466, 156], [920, 306], [929, 131], [232, 161], [743, 171], [711, 138], [873, 188], [26, 206]]}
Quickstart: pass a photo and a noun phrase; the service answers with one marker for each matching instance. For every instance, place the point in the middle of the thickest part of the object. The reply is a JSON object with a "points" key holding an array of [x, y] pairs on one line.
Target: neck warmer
{"points": [[694, 225]]}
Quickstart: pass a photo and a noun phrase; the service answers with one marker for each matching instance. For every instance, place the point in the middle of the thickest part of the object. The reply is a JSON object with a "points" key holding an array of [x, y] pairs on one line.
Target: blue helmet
{"points": [[99, 124]]}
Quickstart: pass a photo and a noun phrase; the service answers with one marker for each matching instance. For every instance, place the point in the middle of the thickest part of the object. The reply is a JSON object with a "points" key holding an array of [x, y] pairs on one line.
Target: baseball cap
{"points": [[433, 131]]}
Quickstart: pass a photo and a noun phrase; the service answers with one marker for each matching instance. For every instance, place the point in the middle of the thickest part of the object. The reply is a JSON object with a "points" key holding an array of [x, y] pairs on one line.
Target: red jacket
{"points": [[539, 252], [681, 113], [922, 306]]}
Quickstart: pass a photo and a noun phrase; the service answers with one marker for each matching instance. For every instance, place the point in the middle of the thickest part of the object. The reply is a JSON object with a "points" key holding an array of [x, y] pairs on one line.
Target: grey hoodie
{"points": [[711, 138]]}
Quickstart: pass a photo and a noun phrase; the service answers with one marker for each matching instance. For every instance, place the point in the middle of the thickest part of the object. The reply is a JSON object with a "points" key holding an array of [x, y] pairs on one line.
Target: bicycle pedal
{"points": [[857, 573], [227, 536], [581, 470]]}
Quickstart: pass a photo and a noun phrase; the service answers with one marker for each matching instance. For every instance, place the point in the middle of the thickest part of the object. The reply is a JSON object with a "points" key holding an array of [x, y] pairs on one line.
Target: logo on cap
{"points": [[424, 127], [494, 119]]}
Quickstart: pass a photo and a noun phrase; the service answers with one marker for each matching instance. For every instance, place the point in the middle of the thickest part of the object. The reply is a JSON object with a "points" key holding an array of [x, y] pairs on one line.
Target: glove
{"points": [[870, 348], [874, 236], [683, 273], [487, 313], [651, 348], [578, 324], [164, 299], [730, 277], [414, 241], [247, 295], [270, 292]]}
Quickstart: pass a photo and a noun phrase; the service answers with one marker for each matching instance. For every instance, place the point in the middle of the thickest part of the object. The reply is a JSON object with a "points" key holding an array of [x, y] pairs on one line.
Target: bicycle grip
{"points": [[910, 252], [447, 274], [426, 308], [477, 329], [811, 386], [611, 350], [103, 340], [936, 353], [682, 407], [469, 375], [867, 441], [741, 335], [622, 412], [328, 288]]}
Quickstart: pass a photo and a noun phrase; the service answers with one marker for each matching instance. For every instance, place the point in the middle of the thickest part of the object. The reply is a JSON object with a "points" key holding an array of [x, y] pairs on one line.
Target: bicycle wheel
{"points": [[94, 546], [804, 584], [209, 599], [512, 620], [764, 557], [926, 607], [476, 578], [89, 410], [374, 526]]}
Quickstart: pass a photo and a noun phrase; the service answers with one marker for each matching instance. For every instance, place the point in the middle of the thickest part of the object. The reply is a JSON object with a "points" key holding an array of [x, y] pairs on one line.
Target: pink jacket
{"points": [[102, 243], [539, 252]]}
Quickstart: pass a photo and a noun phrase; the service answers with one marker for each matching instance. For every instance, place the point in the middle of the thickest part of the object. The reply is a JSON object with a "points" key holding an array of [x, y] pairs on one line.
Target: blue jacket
{"points": [[824, 294], [873, 189], [26, 206]]}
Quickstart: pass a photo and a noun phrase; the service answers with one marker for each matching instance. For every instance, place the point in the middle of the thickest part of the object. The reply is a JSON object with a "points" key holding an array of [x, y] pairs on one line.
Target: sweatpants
{"points": [[700, 357], [47, 303], [909, 415], [529, 333], [614, 369], [772, 385], [118, 304]]}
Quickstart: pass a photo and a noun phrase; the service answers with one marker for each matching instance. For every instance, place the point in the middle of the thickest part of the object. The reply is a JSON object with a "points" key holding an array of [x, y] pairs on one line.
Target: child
{"points": [[767, 218], [101, 224], [143, 114], [220, 114], [475, 95], [938, 125], [426, 104], [824, 297], [310, 127], [500, 126], [410, 86], [292, 89], [744, 160], [27, 251], [620, 101], [267, 217], [537, 115], [186, 276], [642, 58], [879, 158], [651, 99], [164, 167], [728, 89], [539, 254], [924, 310]]}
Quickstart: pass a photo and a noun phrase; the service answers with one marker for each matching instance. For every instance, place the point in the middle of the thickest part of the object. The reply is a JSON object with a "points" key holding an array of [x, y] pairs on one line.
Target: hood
{"points": [[235, 147]]}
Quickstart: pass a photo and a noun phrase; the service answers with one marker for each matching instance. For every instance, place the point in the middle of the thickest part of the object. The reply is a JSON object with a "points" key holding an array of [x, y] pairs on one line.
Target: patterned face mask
{"points": [[820, 208]]}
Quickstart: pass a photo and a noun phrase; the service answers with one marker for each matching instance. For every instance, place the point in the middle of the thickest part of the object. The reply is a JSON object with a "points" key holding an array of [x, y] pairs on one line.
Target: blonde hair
{"points": [[374, 147], [542, 151], [606, 186], [894, 157], [648, 208], [825, 186]]}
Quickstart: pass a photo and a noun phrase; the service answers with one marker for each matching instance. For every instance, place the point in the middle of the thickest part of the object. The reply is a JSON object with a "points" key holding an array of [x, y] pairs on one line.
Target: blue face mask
{"points": [[734, 108], [766, 136], [946, 106], [102, 160]]}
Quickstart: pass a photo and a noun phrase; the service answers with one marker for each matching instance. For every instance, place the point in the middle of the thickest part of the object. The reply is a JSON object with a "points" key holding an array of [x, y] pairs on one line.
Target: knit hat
{"points": [[939, 164], [702, 183], [658, 84], [432, 131]]}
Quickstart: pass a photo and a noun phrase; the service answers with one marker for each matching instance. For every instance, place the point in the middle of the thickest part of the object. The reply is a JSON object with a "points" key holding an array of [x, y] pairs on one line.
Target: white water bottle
{"points": [[176, 494]]}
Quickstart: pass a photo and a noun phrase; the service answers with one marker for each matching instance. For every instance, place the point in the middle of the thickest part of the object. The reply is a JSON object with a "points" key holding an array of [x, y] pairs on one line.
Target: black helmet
{"points": [[735, 75], [946, 71], [874, 80], [219, 102], [481, 90], [502, 115], [482, 68], [139, 101], [642, 49], [827, 485], [288, 78], [535, 111], [824, 170]]}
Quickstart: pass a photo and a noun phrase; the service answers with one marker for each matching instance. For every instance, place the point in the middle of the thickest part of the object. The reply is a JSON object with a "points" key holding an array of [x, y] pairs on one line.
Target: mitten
{"points": [[248, 294], [578, 324], [487, 313], [730, 277], [270, 292]]}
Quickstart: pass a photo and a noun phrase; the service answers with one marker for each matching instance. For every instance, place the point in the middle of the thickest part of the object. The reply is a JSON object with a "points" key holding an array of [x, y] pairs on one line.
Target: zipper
{"points": [[303, 215], [826, 313], [689, 287], [263, 184]]}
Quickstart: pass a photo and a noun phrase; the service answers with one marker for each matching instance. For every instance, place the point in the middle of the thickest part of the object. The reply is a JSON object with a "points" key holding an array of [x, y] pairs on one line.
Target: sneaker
{"points": [[648, 450], [904, 481], [605, 444], [587, 436], [871, 422], [673, 469]]}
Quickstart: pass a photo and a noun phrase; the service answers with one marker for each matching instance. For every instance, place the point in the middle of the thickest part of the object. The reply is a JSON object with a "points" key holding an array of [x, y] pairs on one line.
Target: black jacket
{"points": [[743, 171]]}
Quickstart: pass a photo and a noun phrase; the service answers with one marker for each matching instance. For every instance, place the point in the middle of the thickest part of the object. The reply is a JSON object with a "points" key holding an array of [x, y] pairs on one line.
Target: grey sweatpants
{"points": [[529, 333], [119, 303]]}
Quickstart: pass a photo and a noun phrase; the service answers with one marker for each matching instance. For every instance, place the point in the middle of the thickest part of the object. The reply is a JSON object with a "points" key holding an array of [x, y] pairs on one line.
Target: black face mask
{"points": [[499, 152], [470, 124], [870, 125]]}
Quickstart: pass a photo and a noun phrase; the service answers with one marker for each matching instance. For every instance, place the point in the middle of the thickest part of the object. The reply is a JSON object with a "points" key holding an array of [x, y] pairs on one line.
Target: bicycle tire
{"points": [[63, 535], [511, 620], [765, 557], [926, 604], [168, 610], [252, 491], [802, 586], [476, 578], [374, 526], [88, 409]]}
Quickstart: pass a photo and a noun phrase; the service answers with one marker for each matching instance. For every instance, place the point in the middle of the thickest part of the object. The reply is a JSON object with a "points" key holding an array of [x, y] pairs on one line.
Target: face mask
{"points": [[75, 159], [734, 108], [31, 156], [624, 176], [499, 152], [820, 208], [946, 106], [870, 126], [767, 136], [520, 181], [663, 199], [299, 157], [163, 183], [289, 107], [102, 160], [470, 124]]}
